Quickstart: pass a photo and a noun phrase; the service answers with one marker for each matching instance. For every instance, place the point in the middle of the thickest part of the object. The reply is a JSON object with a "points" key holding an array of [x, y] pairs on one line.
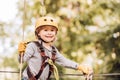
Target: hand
{"points": [[85, 69], [22, 47]]}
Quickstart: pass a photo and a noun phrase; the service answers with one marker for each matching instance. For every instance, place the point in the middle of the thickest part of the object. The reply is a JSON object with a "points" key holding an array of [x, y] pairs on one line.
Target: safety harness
{"points": [[46, 60]]}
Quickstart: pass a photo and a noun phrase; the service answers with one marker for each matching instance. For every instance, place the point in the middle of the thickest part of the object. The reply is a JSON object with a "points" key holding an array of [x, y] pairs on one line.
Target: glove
{"points": [[85, 69], [22, 47]]}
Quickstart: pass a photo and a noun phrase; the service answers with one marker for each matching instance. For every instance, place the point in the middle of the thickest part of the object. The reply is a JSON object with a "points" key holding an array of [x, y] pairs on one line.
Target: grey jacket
{"points": [[34, 60]]}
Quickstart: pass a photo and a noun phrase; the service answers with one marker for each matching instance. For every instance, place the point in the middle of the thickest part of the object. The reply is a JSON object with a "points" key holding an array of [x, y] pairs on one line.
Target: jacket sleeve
{"points": [[61, 60], [29, 51]]}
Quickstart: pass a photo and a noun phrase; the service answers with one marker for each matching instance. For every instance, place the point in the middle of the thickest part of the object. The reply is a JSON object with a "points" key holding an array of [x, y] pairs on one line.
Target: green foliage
{"points": [[76, 19], [85, 28]]}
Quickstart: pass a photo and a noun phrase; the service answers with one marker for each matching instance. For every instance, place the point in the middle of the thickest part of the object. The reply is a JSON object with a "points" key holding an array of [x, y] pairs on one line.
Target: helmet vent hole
{"points": [[51, 20], [45, 19]]}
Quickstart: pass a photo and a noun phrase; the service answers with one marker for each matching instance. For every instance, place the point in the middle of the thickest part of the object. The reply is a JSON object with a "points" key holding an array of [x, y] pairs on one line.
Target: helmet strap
{"points": [[42, 39]]}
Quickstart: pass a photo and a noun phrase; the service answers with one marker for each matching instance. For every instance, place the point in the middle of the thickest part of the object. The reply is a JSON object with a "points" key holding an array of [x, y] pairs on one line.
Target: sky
{"points": [[8, 10]]}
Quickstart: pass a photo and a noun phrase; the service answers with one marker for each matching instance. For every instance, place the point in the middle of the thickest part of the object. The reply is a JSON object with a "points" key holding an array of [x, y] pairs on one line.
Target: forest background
{"points": [[89, 33]]}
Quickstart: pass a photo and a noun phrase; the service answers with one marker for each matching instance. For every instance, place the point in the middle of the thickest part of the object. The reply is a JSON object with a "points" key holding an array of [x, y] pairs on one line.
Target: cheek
{"points": [[40, 33], [55, 32]]}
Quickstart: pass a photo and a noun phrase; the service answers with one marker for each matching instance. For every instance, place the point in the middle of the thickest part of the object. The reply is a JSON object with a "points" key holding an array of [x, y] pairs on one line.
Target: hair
{"points": [[39, 29]]}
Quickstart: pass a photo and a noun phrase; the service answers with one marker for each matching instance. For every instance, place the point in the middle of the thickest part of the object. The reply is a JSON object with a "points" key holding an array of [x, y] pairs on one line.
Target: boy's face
{"points": [[48, 33]]}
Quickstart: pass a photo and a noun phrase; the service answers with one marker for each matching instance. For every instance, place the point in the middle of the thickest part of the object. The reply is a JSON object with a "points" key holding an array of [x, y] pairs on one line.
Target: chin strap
{"points": [[42, 39]]}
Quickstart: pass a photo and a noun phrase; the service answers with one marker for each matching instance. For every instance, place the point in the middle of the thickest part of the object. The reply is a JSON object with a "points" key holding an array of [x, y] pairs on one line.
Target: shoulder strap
{"points": [[44, 64], [53, 53], [42, 53]]}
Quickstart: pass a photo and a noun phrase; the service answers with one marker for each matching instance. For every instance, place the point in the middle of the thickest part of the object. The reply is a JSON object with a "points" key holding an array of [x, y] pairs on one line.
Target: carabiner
{"points": [[89, 77]]}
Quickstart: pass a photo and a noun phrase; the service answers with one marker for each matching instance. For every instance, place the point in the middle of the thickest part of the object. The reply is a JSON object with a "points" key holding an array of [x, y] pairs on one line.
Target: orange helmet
{"points": [[46, 21]]}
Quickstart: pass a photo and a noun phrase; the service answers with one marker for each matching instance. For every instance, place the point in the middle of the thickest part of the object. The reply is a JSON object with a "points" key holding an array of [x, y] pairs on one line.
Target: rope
{"points": [[21, 65], [24, 17], [23, 29], [9, 71], [107, 74], [61, 74], [42, 9], [95, 75], [56, 75], [42, 2]]}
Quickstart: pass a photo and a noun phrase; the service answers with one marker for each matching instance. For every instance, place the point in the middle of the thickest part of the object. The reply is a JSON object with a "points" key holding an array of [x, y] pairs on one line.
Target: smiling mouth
{"points": [[49, 36]]}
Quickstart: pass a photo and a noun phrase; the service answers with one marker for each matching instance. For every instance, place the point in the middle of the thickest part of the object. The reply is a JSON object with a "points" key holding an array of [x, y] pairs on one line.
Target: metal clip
{"points": [[89, 76]]}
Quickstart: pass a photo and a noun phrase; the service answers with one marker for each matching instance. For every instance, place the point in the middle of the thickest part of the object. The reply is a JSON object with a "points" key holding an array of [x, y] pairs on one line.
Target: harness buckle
{"points": [[50, 62], [89, 76]]}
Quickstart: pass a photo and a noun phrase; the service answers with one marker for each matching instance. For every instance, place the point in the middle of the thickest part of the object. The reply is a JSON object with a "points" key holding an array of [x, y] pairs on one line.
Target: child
{"points": [[38, 54]]}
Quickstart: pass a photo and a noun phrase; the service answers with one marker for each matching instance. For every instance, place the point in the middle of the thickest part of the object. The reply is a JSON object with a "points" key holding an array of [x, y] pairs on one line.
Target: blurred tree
{"points": [[86, 28], [86, 25]]}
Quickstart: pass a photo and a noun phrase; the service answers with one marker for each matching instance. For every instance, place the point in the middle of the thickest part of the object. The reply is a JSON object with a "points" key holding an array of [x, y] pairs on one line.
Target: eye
{"points": [[51, 20], [45, 30], [52, 30]]}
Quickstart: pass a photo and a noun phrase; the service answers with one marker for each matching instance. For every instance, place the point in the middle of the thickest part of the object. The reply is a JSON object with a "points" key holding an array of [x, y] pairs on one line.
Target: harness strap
{"points": [[44, 63], [53, 54], [30, 75], [40, 71]]}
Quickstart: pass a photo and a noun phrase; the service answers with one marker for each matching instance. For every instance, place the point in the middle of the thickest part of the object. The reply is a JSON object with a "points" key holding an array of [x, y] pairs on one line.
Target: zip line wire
{"points": [[62, 74]]}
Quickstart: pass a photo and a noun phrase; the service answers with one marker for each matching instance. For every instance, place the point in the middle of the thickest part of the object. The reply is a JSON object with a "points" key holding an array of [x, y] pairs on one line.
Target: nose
{"points": [[49, 32]]}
